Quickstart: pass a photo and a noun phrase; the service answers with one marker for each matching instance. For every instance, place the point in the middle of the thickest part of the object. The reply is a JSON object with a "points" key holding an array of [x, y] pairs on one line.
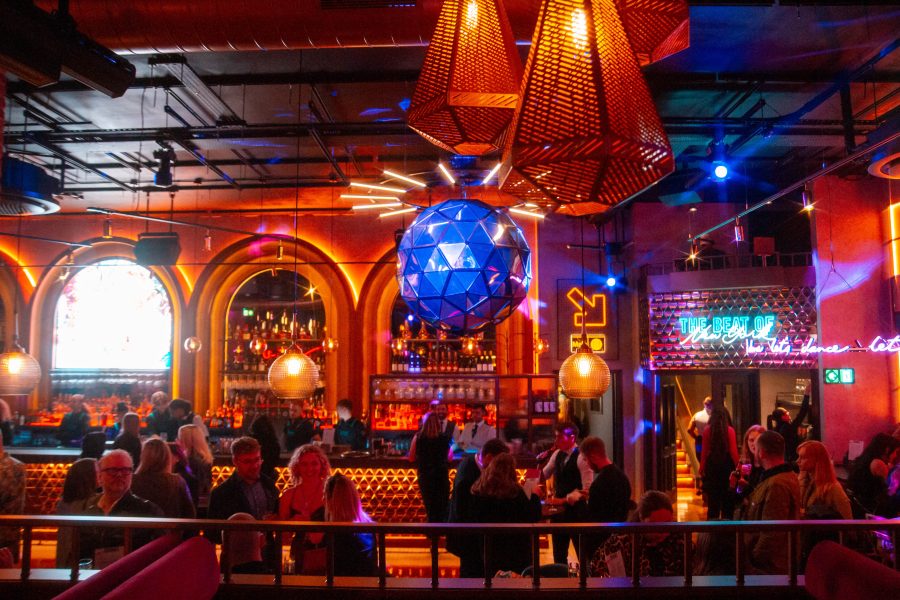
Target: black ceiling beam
{"points": [[68, 158], [253, 184], [255, 162], [673, 125], [658, 80], [96, 136]]}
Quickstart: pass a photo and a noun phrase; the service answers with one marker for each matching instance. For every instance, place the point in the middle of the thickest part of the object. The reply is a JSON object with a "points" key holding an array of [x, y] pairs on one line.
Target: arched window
{"points": [[113, 314]]}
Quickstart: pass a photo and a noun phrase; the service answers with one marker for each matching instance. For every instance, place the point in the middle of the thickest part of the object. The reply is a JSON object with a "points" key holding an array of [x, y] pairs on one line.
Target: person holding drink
{"points": [[748, 472]]}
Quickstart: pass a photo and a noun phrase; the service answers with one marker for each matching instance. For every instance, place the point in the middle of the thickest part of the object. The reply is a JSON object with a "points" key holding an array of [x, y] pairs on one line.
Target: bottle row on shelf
{"points": [[443, 390], [409, 417], [269, 326], [101, 410], [257, 359], [264, 402], [438, 359]]}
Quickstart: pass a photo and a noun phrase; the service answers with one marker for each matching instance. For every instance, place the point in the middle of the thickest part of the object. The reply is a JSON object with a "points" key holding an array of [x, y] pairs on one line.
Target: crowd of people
{"points": [[767, 477]]}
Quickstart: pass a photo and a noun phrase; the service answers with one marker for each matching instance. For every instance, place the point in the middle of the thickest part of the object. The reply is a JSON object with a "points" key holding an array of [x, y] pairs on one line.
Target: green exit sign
{"points": [[844, 376], [248, 312]]}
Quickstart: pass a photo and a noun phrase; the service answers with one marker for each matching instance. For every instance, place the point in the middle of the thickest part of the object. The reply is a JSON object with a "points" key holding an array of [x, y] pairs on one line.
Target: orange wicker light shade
{"points": [[584, 375], [655, 28], [19, 372], [586, 134], [293, 375], [469, 84]]}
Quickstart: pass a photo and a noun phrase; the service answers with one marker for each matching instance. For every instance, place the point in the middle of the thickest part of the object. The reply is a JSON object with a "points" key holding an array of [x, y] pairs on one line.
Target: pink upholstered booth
{"points": [[836, 573], [189, 571], [120, 571]]}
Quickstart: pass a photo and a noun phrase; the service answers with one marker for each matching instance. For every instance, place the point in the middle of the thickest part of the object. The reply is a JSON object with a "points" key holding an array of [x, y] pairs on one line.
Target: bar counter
{"points": [[387, 485]]}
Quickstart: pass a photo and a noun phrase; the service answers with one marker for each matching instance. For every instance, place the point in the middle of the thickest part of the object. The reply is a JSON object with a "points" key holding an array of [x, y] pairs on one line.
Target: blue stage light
{"points": [[719, 171], [611, 281]]}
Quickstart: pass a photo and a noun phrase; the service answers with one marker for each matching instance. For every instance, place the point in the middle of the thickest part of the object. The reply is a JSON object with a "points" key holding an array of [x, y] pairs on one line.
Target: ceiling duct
{"points": [[135, 26], [26, 189], [38, 46], [886, 163]]}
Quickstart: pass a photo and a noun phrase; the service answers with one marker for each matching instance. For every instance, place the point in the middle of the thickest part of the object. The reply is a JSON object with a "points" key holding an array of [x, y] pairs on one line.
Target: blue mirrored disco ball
{"points": [[463, 265]]}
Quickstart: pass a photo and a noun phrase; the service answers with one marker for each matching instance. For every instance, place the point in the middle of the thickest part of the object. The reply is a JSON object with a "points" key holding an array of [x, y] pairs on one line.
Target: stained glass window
{"points": [[113, 314]]}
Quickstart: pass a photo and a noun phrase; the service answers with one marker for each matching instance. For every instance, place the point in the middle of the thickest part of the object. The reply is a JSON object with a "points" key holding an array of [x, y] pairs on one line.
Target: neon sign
{"points": [[786, 346], [586, 308], [596, 303], [727, 329]]}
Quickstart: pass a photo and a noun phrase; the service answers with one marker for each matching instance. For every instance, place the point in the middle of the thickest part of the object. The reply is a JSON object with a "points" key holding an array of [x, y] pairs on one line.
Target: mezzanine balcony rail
{"points": [[888, 531]]}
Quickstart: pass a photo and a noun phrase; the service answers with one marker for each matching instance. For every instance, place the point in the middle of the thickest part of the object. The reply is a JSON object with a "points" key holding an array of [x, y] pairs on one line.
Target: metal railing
{"points": [[889, 529], [716, 262]]}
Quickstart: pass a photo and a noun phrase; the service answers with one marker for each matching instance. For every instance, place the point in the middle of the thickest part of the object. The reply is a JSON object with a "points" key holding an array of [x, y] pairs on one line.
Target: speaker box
{"points": [[157, 249]]}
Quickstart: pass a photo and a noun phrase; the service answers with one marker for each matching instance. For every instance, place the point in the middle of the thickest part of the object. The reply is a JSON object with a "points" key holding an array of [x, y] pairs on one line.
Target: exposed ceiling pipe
{"points": [[135, 26], [819, 99]]}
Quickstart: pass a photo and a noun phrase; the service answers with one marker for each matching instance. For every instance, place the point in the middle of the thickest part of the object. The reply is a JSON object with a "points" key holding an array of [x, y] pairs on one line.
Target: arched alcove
{"points": [[216, 288], [47, 294], [379, 295]]}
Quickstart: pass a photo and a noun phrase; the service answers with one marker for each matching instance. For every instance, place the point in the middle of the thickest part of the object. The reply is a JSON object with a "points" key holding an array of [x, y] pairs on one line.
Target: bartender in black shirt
{"points": [[300, 429], [349, 430]]}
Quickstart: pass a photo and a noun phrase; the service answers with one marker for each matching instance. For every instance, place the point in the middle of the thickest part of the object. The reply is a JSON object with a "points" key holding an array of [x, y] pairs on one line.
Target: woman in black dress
{"points": [[430, 450], [718, 460], [354, 553], [497, 497]]}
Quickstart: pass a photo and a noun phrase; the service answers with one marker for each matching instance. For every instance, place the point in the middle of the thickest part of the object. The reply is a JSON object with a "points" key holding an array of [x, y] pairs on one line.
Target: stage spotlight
{"points": [[719, 171], [611, 281]]}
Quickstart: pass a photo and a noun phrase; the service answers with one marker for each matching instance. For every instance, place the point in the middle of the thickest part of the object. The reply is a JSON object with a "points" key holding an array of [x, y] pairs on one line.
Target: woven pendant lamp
{"points": [[655, 28], [586, 134], [469, 84]]}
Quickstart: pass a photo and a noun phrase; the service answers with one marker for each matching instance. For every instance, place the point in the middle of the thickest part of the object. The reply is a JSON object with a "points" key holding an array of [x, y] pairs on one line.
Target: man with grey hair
{"points": [[104, 545]]}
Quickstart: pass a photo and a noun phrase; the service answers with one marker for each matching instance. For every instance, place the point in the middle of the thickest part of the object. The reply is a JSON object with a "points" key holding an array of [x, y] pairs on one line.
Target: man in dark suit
{"points": [[467, 473], [246, 491]]}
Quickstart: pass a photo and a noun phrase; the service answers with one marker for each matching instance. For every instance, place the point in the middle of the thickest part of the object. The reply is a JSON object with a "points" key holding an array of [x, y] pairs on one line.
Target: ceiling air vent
{"points": [[886, 162], [357, 4], [26, 189]]}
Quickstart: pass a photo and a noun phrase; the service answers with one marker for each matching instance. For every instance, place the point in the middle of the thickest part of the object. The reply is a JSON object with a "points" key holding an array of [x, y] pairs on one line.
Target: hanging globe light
{"points": [[584, 375], [258, 345], [19, 372], [329, 345], [192, 344], [293, 375]]}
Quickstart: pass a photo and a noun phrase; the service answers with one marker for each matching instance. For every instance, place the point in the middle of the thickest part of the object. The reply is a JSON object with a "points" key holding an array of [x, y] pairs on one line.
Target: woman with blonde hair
{"points": [[819, 487], [199, 459], [303, 501], [354, 553], [497, 497], [154, 481]]}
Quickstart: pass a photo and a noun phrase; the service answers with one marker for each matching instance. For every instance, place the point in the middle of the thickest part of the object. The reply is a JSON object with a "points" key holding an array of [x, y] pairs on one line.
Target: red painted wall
{"points": [[854, 303]]}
